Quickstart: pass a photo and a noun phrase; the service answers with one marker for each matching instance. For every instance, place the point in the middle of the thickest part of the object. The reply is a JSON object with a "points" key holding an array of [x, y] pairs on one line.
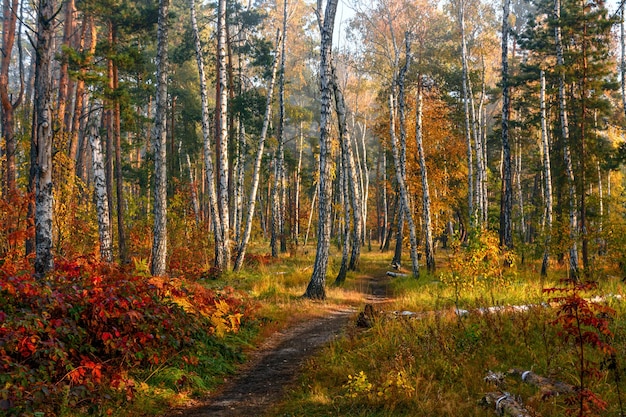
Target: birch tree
{"points": [[242, 246], [159, 244], [221, 132], [100, 189], [41, 154], [547, 175], [206, 134], [426, 215], [402, 186], [316, 287]]}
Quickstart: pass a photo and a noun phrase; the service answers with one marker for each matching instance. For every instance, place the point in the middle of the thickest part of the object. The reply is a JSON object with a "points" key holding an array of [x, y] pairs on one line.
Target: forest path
{"points": [[276, 364]]}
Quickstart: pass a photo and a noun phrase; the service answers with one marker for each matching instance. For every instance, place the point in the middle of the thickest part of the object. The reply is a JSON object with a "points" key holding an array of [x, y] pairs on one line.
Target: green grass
{"points": [[435, 366]]}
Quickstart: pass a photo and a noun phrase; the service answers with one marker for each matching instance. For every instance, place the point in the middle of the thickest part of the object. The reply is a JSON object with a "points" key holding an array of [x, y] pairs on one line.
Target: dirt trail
{"points": [[275, 365]]}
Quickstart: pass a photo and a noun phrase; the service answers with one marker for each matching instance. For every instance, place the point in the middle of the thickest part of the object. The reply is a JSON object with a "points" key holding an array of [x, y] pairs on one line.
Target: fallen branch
{"points": [[396, 274], [549, 387], [505, 404]]}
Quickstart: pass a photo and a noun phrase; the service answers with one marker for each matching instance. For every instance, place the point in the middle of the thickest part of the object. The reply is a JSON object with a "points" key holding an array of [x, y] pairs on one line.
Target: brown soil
{"points": [[275, 365]]}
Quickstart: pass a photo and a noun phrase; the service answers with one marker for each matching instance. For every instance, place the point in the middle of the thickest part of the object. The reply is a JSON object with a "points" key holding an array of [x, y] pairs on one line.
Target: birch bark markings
{"points": [[426, 216], [100, 188], [159, 244], [547, 175], [316, 287], [42, 139], [242, 246], [223, 251], [403, 192], [468, 138]]}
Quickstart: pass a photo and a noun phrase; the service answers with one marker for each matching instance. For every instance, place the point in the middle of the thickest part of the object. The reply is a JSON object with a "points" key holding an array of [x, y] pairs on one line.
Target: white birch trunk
{"points": [[316, 287], [366, 176], [241, 249], [194, 190], [159, 243], [426, 216], [573, 217], [100, 189], [222, 252], [403, 192], [547, 176], [468, 138], [308, 227], [42, 161], [351, 181], [207, 140]]}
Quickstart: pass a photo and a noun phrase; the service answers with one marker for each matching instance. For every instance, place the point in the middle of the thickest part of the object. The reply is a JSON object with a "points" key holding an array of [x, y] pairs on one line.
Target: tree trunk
{"points": [[345, 232], [207, 140], [241, 250], [159, 245], [622, 66], [350, 176], [9, 15], [221, 129], [296, 223], [64, 90], [316, 287], [506, 205], [428, 228], [100, 190], [384, 202], [403, 192], [573, 221], [547, 175], [42, 139], [119, 186], [468, 138]]}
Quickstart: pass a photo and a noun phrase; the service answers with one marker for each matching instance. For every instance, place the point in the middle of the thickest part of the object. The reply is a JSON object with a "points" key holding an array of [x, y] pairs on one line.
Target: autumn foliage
{"points": [[75, 337]]}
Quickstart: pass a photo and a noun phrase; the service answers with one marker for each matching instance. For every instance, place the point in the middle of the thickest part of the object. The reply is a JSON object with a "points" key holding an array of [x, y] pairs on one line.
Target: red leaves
{"points": [[88, 323], [587, 324]]}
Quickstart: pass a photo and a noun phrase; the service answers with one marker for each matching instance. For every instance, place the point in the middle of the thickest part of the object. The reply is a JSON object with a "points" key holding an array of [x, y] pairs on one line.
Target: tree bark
{"points": [[506, 205], [206, 132], [573, 220], [241, 250], [547, 175], [468, 138], [221, 129], [42, 139], [64, 91], [316, 287], [428, 228], [9, 16], [403, 192], [350, 176], [100, 190], [159, 245]]}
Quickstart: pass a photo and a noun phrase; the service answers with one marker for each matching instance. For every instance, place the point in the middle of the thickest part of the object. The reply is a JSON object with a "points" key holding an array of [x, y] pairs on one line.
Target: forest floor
{"points": [[275, 365]]}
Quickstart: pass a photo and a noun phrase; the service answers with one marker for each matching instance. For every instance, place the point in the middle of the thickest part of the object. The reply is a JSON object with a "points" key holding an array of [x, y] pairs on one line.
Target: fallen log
{"points": [[549, 387], [505, 404], [396, 274]]}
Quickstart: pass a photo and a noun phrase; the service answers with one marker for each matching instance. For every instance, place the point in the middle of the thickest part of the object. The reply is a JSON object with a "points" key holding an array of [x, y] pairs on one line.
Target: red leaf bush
{"points": [[76, 334]]}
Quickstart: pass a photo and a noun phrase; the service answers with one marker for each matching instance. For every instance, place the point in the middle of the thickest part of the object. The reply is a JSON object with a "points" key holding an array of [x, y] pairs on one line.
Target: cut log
{"points": [[549, 387], [505, 404]]}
